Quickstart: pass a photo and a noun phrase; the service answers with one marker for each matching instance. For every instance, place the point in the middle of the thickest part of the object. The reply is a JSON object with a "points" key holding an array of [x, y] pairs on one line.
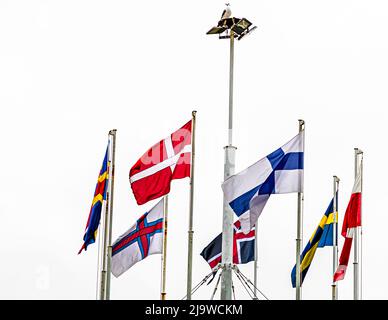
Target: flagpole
{"points": [[362, 169], [227, 219], [100, 259], [336, 181], [98, 285], [299, 228], [190, 231], [255, 263], [164, 255], [356, 269], [107, 228], [112, 133], [104, 246]]}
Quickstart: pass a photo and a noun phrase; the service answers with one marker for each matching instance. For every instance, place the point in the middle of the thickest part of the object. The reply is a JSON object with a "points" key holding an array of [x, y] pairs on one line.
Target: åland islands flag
{"points": [[322, 237], [150, 177], [144, 238], [281, 171], [96, 208]]}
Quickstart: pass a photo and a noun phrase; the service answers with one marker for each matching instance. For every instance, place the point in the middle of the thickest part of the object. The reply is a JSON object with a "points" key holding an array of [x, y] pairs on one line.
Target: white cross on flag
{"points": [[169, 159]]}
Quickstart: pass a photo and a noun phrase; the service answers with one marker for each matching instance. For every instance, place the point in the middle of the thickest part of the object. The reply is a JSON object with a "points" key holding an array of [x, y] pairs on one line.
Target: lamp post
{"points": [[229, 28]]}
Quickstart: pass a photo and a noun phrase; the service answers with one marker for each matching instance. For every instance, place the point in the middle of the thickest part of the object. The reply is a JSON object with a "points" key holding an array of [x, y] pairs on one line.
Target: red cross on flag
{"points": [[144, 238], [150, 177], [243, 247]]}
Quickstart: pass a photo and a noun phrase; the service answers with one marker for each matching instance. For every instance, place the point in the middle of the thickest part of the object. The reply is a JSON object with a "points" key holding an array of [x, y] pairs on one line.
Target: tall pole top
{"points": [[358, 151], [301, 124], [231, 27]]}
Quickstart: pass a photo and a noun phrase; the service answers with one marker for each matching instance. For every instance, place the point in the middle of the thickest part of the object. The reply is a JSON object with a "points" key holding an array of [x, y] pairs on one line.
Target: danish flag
{"points": [[150, 177]]}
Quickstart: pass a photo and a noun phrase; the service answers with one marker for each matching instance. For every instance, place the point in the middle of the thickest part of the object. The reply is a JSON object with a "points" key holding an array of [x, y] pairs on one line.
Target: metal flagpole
{"points": [[98, 285], [299, 228], [227, 225], [104, 236], [107, 229], [355, 262], [112, 133], [255, 263], [336, 180], [164, 255], [229, 28], [190, 231], [356, 269], [104, 251], [362, 169]]}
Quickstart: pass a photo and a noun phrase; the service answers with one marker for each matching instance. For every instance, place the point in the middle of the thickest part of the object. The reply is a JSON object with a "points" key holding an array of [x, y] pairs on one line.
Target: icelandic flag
{"points": [[144, 238], [281, 171], [243, 247]]}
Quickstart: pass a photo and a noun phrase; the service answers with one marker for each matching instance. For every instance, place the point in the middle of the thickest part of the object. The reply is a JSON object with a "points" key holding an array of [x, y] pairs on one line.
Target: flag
{"points": [[96, 208], [243, 247], [281, 171], [327, 234], [322, 236], [150, 177], [144, 238], [352, 220]]}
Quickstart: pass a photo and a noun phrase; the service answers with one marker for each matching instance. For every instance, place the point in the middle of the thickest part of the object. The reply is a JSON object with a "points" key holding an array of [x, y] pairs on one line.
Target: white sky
{"points": [[72, 70]]}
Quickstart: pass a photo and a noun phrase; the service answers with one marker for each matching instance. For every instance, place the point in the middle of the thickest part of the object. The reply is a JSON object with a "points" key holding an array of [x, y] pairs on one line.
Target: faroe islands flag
{"points": [[144, 238]]}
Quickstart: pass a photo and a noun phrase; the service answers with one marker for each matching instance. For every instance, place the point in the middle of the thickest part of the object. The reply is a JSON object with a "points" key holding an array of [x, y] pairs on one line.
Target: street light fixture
{"points": [[240, 28]]}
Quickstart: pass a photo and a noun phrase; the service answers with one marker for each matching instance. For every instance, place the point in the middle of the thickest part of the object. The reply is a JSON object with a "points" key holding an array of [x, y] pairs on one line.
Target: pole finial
{"points": [[301, 124], [358, 151]]}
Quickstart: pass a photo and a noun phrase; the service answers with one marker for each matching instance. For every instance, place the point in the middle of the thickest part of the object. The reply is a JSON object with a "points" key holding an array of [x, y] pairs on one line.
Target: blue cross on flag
{"points": [[144, 238], [281, 171]]}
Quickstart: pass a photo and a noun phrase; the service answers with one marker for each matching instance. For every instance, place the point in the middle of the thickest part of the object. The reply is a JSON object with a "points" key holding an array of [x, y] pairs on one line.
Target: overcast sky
{"points": [[72, 70]]}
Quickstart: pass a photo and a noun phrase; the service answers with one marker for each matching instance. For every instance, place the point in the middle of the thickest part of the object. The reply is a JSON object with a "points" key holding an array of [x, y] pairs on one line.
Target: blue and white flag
{"points": [[281, 171]]}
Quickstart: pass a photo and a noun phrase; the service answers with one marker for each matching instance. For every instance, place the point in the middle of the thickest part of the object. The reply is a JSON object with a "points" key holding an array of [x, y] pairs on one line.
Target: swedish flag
{"points": [[322, 236], [96, 208]]}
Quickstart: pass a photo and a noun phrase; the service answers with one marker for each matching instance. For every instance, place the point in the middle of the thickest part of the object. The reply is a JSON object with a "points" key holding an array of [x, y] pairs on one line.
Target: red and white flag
{"points": [[352, 220], [150, 177]]}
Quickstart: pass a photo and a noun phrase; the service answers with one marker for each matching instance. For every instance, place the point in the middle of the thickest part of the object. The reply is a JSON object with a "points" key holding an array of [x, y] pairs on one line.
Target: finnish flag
{"points": [[281, 171]]}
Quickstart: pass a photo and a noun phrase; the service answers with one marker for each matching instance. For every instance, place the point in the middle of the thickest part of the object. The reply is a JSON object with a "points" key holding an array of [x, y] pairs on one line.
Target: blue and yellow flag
{"points": [[322, 237], [96, 208]]}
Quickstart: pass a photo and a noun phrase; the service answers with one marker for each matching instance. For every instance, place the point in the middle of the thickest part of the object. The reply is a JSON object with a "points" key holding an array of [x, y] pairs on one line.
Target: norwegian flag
{"points": [[243, 247], [150, 177], [352, 220]]}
